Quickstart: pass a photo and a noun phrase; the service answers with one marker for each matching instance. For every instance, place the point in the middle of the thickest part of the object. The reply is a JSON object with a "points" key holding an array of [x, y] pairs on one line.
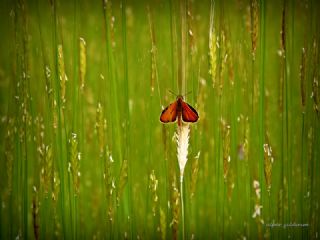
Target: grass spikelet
{"points": [[46, 169], [107, 5], [62, 74], [226, 138], [123, 179], [303, 78], [49, 89], [163, 224], [109, 183], [212, 47], [82, 62], [268, 161], [182, 138], [9, 152], [245, 145], [191, 38], [315, 81], [194, 174], [55, 196], [257, 206], [230, 185], [55, 115], [56, 186], [229, 59], [223, 56], [100, 127], [254, 10], [153, 185], [74, 162], [248, 19]]}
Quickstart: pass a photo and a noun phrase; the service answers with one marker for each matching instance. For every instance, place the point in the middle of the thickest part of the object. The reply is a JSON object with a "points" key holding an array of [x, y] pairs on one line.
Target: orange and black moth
{"points": [[181, 110]]}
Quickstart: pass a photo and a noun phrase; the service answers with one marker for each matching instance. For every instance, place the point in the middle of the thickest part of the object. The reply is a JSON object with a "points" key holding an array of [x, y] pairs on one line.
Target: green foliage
{"points": [[84, 155]]}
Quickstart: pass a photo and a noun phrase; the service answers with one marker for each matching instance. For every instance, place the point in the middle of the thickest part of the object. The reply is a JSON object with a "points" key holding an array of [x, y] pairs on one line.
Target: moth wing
{"points": [[169, 114], [189, 114]]}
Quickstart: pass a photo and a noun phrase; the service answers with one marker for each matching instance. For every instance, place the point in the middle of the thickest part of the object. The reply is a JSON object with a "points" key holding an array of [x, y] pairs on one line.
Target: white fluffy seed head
{"points": [[182, 138]]}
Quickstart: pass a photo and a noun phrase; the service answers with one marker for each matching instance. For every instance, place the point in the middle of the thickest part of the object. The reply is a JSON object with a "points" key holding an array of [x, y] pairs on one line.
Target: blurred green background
{"points": [[84, 155]]}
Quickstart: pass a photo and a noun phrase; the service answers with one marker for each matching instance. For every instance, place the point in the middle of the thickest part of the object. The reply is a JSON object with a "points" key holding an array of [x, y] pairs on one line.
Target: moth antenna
{"points": [[187, 93], [173, 93]]}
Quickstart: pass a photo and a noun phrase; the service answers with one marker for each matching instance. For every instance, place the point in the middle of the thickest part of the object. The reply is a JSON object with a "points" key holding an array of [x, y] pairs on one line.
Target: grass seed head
{"points": [[82, 62], [100, 127], [163, 224], [9, 152], [194, 174], [109, 182], [182, 139], [212, 48], [123, 179], [62, 74], [268, 161], [226, 138], [315, 80], [254, 10], [74, 163], [153, 186]]}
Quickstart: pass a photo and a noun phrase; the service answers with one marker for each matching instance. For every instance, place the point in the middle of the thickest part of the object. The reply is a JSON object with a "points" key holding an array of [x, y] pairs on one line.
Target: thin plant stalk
{"points": [[182, 205], [261, 86], [182, 138]]}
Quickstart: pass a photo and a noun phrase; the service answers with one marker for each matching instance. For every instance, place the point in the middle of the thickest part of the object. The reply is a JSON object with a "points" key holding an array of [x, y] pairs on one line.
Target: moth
{"points": [[181, 110]]}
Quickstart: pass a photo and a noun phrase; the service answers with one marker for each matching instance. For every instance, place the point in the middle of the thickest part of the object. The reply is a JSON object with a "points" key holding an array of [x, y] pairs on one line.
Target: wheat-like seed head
{"points": [[212, 48], [62, 74], [163, 223], [82, 62], [109, 182], [100, 127], [268, 161], [254, 25], [153, 186], [182, 138], [74, 164]]}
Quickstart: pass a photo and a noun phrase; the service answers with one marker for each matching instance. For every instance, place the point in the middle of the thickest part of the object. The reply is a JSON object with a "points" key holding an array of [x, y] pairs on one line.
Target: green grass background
{"points": [[133, 57]]}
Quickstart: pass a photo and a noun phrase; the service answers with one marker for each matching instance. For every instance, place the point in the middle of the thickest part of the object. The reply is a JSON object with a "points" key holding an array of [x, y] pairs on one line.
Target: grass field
{"points": [[83, 154]]}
